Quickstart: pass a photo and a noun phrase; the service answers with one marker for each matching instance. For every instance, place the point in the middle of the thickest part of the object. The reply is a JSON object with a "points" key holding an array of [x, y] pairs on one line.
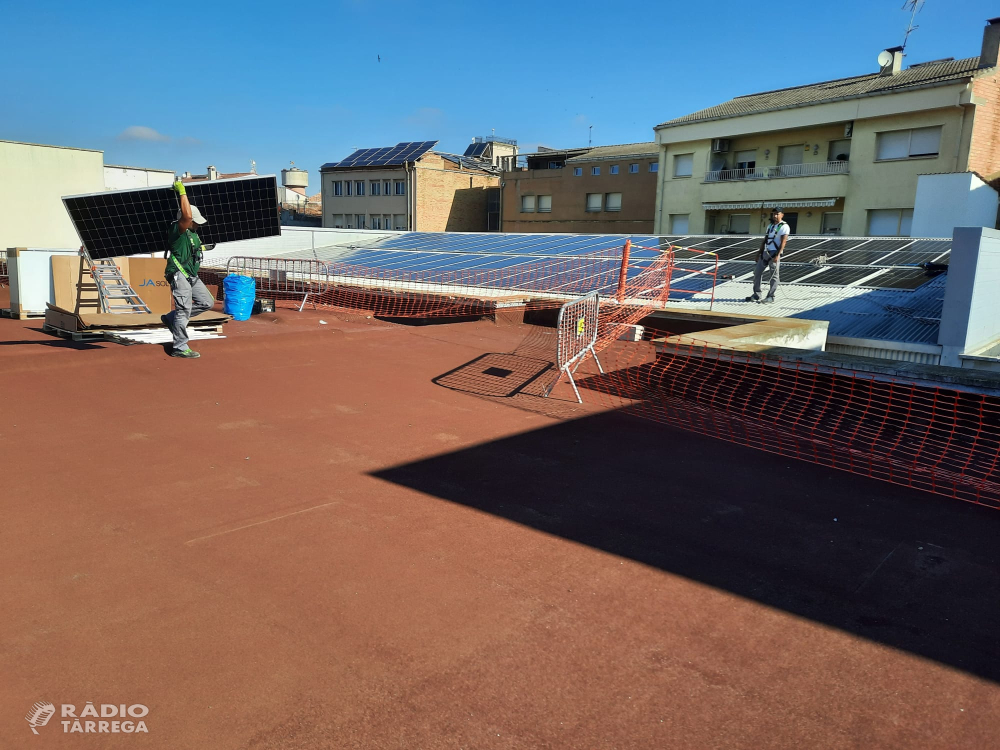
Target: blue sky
{"points": [[182, 85]]}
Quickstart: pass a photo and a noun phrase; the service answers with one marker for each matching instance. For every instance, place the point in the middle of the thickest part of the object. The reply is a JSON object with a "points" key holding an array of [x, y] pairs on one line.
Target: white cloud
{"points": [[142, 133]]}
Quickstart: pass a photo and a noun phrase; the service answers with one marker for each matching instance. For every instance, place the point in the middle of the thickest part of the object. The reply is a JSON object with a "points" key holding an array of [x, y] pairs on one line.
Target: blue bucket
{"points": [[240, 292]]}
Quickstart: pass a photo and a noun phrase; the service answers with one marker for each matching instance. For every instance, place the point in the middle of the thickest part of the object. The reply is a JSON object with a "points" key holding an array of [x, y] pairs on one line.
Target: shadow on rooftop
{"points": [[906, 569]]}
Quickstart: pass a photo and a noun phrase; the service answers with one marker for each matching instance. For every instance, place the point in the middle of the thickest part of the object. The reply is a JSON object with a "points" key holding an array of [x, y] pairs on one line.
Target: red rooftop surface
{"points": [[326, 536]]}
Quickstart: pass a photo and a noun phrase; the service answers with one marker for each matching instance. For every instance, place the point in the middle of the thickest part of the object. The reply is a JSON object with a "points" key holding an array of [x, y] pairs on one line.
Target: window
{"points": [[527, 204], [594, 201], [633, 168], [746, 159], [577, 171], [387, 187], [889, 222], [556, 165], [400, 187], [359, 187], [683, 165], [907, 144], [679, 223], [832, 223], [544, 204], [840, 150], [376, 222], [739, 224], [387, 221], [348, 187], [400, 220], [595, 171], [376, 187], [338, 221], [613, 169], [654, 166], [338, 187], [790, 155], [360, 220], [613, 202]]}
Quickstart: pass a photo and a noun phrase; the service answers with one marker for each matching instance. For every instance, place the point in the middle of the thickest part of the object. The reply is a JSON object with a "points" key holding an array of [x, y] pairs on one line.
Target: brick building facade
{"points": [[436, 192]]}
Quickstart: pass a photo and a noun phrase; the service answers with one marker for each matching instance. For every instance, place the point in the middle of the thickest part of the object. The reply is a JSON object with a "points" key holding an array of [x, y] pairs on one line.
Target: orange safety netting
{"points": [[937, 439], [440, 292]]}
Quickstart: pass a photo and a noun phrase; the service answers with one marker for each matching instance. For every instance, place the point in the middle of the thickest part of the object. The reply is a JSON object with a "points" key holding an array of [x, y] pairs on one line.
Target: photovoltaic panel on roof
{"points": [[475, 149], [387, 156], [134, 222]]}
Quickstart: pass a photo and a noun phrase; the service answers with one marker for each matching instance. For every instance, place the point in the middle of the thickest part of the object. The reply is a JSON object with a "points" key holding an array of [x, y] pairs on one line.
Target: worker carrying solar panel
{"points": [[184, 254]]}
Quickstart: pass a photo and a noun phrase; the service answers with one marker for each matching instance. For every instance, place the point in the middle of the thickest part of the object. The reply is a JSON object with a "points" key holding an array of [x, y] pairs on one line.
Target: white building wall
{"points": [[129, 178], [33, 180], [946, 201]]}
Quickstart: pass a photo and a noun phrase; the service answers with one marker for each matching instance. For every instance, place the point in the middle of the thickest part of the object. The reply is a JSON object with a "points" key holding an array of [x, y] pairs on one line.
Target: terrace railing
{"points": [[785, 170]]}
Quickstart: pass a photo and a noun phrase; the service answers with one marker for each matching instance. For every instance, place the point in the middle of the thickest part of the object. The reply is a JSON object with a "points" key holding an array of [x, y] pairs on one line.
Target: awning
{"points": [[806, 203]]}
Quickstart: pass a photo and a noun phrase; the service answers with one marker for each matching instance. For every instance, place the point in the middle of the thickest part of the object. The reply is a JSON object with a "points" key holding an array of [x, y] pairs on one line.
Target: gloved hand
{"points": [[179, 187]]}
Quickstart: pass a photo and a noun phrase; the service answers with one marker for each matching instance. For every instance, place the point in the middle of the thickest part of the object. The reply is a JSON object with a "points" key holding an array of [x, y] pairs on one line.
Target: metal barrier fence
{"points": [[286, 276], [576, 333]]}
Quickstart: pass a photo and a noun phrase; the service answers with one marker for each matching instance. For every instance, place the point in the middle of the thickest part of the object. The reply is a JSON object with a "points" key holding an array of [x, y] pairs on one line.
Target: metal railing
{"points": [[284, 276], [784, 170]]}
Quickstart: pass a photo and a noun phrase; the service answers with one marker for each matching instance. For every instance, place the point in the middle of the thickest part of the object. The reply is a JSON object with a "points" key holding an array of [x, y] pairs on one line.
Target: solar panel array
{"points": [[476, 149], [868, 262], [133, 222], [388, 156]]}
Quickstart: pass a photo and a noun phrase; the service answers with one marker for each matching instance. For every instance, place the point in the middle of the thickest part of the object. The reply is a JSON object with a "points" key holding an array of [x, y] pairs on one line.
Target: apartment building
{"points": [[842, 157], [407, 187], [602, 190]]}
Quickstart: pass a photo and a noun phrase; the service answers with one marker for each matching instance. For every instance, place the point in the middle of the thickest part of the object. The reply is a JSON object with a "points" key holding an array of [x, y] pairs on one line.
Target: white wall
{"points": [[128, 178], [33, 180], [946, 201], [970, 316]]}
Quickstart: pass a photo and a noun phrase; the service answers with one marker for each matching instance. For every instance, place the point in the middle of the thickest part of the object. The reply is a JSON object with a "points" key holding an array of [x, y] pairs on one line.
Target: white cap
{"points": [[195, 214]]}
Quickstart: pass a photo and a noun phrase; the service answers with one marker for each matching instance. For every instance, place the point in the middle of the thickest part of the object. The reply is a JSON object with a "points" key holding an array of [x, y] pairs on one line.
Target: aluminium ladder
{"points": [[114, 292]]}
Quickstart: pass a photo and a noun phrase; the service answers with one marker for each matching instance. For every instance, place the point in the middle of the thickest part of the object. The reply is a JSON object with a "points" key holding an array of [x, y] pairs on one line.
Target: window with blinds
{"points": [[613, 202], [683, 165], [527, 204], [907, 144], [544, 204], [594, 201]]}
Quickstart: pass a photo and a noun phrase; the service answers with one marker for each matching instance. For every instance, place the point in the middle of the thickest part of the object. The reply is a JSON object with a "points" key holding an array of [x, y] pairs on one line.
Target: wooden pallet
{"points": [[6, 312]]}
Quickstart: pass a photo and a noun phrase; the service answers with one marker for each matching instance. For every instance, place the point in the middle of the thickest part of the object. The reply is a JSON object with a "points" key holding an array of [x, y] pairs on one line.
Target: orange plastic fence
{"points": [[436, 292], [937, 439]]}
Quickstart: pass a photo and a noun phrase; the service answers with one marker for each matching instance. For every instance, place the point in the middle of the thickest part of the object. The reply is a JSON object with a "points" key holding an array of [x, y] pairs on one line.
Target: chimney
{"points": [[213, 173], [991, 43], [897, 61]]}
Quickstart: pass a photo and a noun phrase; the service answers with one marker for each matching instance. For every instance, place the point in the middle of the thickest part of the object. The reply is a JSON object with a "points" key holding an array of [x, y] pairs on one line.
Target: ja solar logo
{"points": [[107, 718]]}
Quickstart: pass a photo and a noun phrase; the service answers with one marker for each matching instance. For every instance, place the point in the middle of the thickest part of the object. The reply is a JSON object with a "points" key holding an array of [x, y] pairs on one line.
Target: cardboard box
{"points": [[77, 306]]}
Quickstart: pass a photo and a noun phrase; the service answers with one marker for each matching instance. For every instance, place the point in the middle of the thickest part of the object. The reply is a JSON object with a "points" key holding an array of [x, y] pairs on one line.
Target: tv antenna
{"points": [[914, 7], [590, 134]]}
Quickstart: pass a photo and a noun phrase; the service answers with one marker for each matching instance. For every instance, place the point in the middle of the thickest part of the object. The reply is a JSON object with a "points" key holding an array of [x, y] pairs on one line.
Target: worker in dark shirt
{"points": [[191, 297]]}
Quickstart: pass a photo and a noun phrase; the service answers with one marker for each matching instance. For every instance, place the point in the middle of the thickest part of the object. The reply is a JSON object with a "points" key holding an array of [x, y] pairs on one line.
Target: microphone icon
{"points": [[39, 715]]}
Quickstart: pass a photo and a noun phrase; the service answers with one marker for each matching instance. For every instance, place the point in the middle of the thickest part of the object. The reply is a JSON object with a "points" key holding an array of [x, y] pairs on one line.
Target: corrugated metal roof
{"points": [[844, 88]]}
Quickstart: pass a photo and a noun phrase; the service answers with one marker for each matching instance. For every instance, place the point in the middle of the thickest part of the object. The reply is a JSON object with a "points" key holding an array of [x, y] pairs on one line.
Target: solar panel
{"points": [[903, 278], [475, 149], [133, 222], [387, 156]]}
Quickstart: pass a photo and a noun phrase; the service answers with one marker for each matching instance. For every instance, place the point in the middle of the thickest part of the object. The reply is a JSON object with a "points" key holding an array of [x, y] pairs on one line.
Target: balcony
{"points": [[773, 173]]}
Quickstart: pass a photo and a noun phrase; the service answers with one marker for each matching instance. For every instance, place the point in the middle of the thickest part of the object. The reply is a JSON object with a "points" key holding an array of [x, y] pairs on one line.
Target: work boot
{"points": [[185, 353], [769, 300], [753, 298]]}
